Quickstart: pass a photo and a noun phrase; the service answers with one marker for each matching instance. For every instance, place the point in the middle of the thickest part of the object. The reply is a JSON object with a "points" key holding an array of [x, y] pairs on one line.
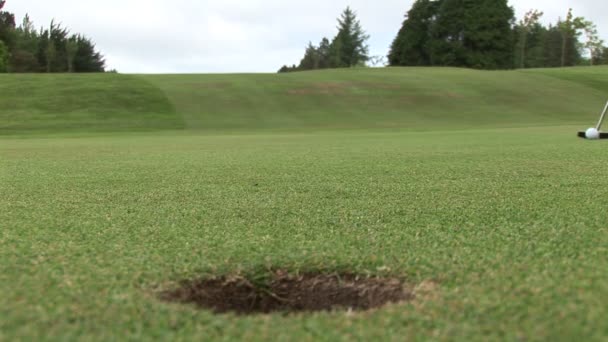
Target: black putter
{"points": [[603, 135]]}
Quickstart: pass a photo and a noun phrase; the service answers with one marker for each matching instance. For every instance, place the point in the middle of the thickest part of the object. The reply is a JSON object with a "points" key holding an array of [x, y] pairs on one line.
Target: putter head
{"points": [[603, 135]]}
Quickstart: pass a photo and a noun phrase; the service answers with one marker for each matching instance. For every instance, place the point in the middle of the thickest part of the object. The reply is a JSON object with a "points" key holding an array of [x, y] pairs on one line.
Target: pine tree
{"points": [[7, 27], [23, 57], [324, 52], [50, 54], [311, 58], [87, 59], [349, 47], [71, 47], [50, 50], [27, 37]]}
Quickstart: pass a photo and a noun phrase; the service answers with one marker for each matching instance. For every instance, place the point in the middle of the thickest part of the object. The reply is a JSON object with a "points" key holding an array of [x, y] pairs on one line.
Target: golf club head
{"points": [[603, 135]]}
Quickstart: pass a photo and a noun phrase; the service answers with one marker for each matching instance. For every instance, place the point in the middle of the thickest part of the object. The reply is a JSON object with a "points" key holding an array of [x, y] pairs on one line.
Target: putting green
{"points": [[470, 186]]}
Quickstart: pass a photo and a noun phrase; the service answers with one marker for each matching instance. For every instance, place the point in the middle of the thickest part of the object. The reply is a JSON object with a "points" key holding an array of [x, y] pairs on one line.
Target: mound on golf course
{"points": [[403, 98]]}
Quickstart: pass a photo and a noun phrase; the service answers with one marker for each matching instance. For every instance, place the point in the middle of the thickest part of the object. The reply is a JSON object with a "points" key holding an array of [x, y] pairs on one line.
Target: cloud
{"points": [[154, 36]]}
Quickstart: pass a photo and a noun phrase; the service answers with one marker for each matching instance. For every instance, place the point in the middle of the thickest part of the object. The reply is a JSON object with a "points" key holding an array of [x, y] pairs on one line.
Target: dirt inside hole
{"points": [[286, 293]]}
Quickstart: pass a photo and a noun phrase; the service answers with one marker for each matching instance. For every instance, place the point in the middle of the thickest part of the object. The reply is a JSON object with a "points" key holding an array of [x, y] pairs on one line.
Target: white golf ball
{"points": [[592, 133]]}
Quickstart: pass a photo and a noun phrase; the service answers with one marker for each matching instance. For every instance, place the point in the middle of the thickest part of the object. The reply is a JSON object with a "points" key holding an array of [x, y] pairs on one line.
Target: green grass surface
{"points": [[401, 98], [82, 103], [509, 222]]}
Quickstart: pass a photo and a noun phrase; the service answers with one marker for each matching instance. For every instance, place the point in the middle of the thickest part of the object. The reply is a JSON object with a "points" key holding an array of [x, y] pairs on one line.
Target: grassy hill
{"points": [[97, 102], [402, 98]]}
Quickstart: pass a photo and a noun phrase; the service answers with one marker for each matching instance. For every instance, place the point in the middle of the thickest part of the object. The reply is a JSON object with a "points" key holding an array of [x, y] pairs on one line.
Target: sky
{"points": [[218, 36]]}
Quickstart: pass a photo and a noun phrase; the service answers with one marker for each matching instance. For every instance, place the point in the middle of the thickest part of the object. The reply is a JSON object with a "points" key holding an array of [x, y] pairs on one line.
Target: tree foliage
{"points": [[523, 30], [3, 57], [483, 34], [570, 30], [593, 43], [462, 33], [52, 49], [7, 26], [412, 46], [347, 49]]}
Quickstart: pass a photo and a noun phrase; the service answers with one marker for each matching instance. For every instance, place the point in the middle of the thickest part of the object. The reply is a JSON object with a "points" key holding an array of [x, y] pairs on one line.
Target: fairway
{"points": [[484, 202]]}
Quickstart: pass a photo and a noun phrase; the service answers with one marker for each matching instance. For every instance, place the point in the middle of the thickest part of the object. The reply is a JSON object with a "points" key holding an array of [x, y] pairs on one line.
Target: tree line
{"points": [[23, 48], [347, 49], [480, 34]]}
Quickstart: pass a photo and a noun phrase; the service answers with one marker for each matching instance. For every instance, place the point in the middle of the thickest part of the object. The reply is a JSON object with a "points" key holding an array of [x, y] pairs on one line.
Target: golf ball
{"points": [[592, 133]]}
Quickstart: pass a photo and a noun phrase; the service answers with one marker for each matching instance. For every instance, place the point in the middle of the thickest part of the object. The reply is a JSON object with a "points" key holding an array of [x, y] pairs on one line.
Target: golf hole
{"points": [[285, 293]]}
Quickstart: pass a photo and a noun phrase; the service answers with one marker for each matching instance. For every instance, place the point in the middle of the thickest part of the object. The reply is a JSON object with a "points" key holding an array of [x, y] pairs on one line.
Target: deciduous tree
{"points": [[593, 43], [529, 22], [412, 45], [570, 30]]}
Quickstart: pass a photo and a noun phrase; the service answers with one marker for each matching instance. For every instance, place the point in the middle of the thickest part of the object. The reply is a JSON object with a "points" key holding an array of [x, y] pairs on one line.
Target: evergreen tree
{"points": [[87, 59], [48, 50], [7, 27], [311, 58], [602, 57], [57, 49], [552, 47], [23, 58], [447, 45], [488, 36], [3, 57], [411, 47], [349, 47], [71, 50], [464, 33], [323, 53], [26, 36], [285, 69]]}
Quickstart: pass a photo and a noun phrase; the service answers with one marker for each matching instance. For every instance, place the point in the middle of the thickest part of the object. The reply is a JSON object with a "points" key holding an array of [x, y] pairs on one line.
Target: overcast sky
{"points": [[200, 36]]}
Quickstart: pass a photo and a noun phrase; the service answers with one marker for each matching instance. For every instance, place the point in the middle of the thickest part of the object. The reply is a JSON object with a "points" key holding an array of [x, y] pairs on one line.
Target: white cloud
{"points": [[237, 35]]}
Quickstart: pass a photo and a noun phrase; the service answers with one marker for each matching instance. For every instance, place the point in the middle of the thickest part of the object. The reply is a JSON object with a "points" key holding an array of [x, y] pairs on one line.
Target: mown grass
{"points": [[54, 104], [398, 98], [414, 99], [473, 181], [510, 223]]}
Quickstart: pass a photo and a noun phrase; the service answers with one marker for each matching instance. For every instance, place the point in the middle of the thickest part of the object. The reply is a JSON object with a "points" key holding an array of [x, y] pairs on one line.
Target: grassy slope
{"points": [[410, 98], [82, 103], [403, 98], [509, 222]]}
